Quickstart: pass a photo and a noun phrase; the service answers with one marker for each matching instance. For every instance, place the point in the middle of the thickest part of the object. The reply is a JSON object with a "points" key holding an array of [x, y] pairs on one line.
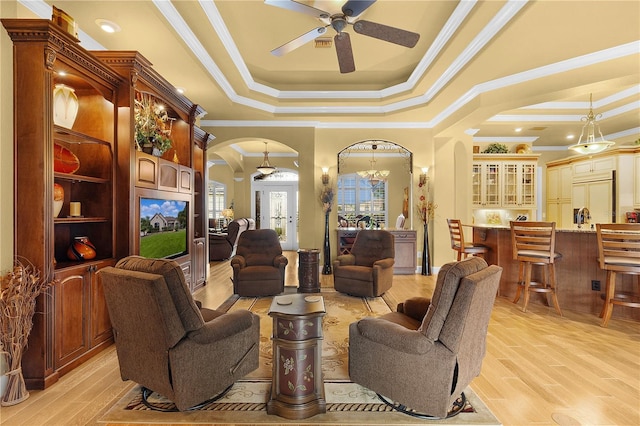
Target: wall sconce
{"points": [[325, 176], [423, 176]]}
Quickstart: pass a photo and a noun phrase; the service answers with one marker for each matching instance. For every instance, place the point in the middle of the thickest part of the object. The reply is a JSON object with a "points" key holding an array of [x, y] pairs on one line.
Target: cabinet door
{"points": [[600, 201], [553, 184], [100, 326], [405, 252], [71, 310], [565, 181]]}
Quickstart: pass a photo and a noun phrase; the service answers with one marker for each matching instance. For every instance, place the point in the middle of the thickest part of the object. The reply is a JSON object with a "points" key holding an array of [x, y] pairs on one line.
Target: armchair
{"points": [[222, 246], [259, 265], [424, 355], [368, 270], [169, 344]]}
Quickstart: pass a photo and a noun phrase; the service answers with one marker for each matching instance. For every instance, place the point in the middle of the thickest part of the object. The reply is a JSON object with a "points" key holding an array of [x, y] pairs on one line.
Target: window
{"points": [[216, 199], [358, 198]]}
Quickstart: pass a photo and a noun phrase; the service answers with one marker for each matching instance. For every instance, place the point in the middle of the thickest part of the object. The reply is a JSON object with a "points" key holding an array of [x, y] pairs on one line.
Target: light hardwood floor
{"points": [[539, 369]]}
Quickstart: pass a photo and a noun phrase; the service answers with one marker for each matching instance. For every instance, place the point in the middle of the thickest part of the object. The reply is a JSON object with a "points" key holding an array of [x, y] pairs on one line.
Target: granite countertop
{"points": [[574, 230]]}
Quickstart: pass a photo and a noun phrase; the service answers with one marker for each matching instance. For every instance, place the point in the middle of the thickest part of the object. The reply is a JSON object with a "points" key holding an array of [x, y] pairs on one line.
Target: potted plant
{"points": [[496, 148], [152, 125]]}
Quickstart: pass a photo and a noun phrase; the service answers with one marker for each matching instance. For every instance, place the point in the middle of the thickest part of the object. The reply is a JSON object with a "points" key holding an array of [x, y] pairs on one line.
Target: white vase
{"points": [[65, 106], [4, 368]]}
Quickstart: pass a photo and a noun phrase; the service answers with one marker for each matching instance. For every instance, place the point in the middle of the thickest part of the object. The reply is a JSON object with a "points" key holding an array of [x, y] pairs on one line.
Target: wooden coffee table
{"points": [[297, 389]]}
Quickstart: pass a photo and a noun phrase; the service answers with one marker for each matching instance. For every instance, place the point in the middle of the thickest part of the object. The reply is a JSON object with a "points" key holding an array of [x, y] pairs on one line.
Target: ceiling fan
{"points": [[339, 21]]}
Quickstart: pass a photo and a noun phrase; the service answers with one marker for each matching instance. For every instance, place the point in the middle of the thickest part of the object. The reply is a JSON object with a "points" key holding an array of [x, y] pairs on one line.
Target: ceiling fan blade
{"points": [[386, 33], [297, 42], [356, 7], [298, 7], [345, 54]]}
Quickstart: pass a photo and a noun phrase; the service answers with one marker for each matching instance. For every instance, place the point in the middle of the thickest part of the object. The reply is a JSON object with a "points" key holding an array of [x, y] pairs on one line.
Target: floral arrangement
{"points": [[18, 292], [426, 208], [326, 198], [152, 124]]}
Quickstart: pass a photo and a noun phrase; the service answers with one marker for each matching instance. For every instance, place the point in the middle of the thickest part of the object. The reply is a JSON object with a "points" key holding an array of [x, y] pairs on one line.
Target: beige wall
{"points": [[318, 148], [7, 9]]}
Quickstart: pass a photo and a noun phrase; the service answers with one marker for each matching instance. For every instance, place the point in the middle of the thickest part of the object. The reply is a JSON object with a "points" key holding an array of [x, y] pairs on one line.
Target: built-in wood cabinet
{"points": [[91, 161], [405, 246], [594, 168], [70, 325], [174, 175]]}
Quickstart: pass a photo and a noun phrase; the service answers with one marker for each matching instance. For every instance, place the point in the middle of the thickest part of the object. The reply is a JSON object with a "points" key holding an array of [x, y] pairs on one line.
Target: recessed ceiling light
{"points": [[107, 26], [62, 73], [570, 136], [180, 90], [518, 129]]}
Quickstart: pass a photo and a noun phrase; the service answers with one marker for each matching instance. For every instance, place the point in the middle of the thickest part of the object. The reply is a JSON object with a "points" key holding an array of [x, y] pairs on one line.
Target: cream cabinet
{"points": [[485, 178], [507, 182], [594, 168], [559, 188]]}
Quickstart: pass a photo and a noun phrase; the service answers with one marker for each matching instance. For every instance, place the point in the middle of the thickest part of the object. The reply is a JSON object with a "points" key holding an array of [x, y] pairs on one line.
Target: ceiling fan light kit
{"points": [[590, 144], [339, 22]]}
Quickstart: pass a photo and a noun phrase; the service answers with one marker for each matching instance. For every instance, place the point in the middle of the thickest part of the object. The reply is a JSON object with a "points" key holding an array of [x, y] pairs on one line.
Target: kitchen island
{"points": [[575, 271]]}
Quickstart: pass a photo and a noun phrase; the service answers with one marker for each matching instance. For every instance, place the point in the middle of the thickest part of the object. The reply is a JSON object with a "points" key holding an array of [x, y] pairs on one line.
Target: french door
{"points": [[277, 208]]}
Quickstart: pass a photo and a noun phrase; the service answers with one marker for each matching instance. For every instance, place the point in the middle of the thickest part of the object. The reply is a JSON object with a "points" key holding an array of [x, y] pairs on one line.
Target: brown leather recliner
{"points": [[259, 265], [368, 270], [166, 342], [222, 245], [424, 355]]}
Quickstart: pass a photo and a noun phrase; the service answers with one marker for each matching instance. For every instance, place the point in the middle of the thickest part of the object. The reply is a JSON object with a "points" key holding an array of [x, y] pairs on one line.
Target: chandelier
{"points": [[374, 176], [590, 145], [266, 168]]}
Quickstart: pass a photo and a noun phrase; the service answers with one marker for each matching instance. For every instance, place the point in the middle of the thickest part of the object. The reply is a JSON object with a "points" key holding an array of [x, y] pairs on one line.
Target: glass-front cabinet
{"points": [[503, 188]]}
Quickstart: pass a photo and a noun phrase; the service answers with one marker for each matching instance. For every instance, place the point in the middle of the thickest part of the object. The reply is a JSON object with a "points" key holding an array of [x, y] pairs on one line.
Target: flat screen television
{"points": [[163, 228]]}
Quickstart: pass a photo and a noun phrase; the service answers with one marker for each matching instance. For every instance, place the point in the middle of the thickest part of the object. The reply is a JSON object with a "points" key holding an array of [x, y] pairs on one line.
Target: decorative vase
{"points": [[81, 249], [326, 270], [426, 256], [64, 161], [16, 390], [65, 106], [58, 199]]}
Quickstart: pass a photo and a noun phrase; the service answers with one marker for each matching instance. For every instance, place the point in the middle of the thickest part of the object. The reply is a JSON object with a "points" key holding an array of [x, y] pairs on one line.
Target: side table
{"points": [[297, 387], [308, 271]]}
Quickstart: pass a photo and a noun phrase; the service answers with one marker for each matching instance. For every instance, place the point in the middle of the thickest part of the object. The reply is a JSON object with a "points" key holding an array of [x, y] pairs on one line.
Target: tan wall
{"points": [[318, 148], [7, 9]]}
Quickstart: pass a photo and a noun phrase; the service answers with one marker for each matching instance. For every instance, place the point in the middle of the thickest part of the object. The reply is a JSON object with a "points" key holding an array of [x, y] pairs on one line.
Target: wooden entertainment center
{"points": [[72, 323]]}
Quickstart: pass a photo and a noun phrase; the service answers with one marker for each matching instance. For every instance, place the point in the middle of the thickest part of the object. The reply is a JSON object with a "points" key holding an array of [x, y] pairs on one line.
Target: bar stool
{"points": [[458, 243], [534, 244], [618, 253]]}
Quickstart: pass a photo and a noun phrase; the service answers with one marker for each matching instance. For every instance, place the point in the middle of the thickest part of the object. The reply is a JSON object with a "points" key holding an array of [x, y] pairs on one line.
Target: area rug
{"points": [[347, 402]]}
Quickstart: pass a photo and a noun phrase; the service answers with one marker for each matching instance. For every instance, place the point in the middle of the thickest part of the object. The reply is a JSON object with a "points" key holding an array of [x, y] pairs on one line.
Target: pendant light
{"points": [[266, 168], [374, 176], [590, 145]]}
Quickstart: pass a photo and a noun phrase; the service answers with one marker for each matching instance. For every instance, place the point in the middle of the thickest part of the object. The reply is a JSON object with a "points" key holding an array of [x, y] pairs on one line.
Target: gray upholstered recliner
{"points": [[368, 270], [166, 342], [259, 265], [424, 355]]}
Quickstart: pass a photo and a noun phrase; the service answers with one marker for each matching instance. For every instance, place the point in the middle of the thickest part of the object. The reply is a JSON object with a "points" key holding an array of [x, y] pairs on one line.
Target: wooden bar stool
{"points": [[618, 253], [458, 243], [534, 244]]}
